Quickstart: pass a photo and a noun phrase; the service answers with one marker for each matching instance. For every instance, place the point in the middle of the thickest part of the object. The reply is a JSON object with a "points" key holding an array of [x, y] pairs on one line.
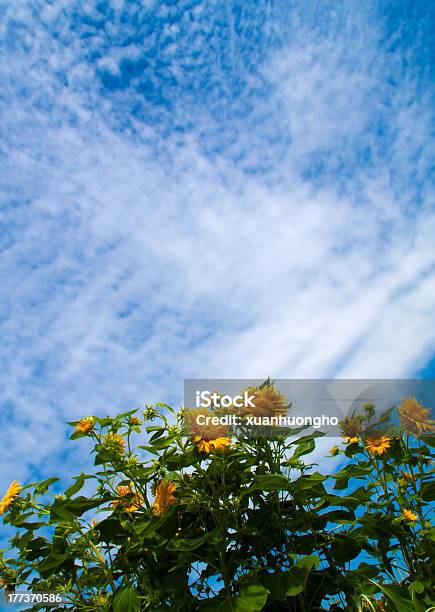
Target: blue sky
{"points": [[211, 190]]}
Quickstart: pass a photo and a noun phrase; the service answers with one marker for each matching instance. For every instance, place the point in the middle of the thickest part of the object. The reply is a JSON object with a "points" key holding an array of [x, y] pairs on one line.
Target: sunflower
{"points": [[377, 445], [268, 402], [85, 425], [133, 501], [334, 451], [207, 446], [409, 515], [413, 417], [207, 436], [10, 496], [164, 496], [115, 441]]}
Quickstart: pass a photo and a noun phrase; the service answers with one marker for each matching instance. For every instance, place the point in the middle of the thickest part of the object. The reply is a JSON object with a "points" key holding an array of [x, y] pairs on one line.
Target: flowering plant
{"points": [[202, 519]]}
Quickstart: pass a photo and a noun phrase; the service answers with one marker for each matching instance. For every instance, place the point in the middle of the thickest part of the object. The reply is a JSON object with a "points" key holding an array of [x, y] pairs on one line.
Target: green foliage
{"points": [[126, 600], [159, 525]]}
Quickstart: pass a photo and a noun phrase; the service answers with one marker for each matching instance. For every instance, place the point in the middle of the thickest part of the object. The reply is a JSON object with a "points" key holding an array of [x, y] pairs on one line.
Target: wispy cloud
{"points": [[206, 191]]}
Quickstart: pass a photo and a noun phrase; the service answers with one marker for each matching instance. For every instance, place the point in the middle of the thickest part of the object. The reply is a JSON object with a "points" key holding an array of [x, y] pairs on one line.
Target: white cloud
{"points": [[133, 261]]}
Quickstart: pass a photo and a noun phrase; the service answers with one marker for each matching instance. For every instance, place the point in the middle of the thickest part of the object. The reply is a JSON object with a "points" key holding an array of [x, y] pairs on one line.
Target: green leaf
{"points": [[303, 439], [303, 448], [339, 516], [180, 460], [129, 413], [147, 529], [111, 530], [430, 534], [271, 482], [214, 604], [77, 486], [429, 440], [267, 483], [157, 434], [183, 544], [292, 582], [42, 487], [350, 471], [22, 518], [276, 583], [53, 560], [156, 442], [126, 600], [286, 432], [253, 597], [104, 421], [305, 445], [150, 449], [309, 481], [351, 501], [345, 548], [308, 562], [78, 434], [377, 526], [399, 596], [296, 579], [104, 455], [428, 491], [416, 587], [67, 509]]}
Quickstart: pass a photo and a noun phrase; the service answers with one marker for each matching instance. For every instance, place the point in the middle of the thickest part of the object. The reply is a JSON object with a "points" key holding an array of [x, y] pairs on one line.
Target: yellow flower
{"points": [[135, 421], [350, 440], [409, 515], [377, 445], [334, 451], [116, 441], [413, 417], [10, 496], [164, 496], [207, 436], [207, 446], [268, 402], [85, 425], [133, 501]]}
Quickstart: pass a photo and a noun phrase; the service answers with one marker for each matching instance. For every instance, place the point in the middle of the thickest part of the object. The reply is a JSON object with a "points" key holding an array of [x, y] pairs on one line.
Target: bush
{"points": [[222, 520]]}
